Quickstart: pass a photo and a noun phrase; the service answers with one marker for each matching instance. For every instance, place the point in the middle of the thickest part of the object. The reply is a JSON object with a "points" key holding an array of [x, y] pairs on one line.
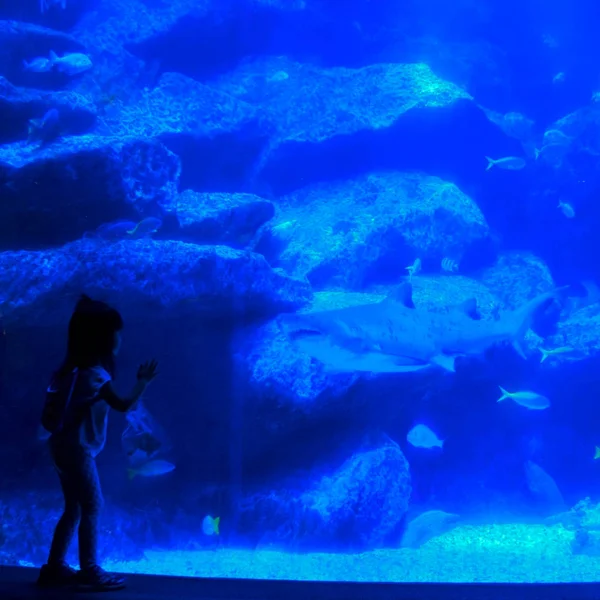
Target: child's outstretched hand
{"points": [[148, 371]]}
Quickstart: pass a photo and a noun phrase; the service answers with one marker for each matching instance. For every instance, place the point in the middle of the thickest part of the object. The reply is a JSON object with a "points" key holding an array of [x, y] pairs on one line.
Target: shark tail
{"points": [[545, 355], [505, 394], [523, 317], [491, 163]]}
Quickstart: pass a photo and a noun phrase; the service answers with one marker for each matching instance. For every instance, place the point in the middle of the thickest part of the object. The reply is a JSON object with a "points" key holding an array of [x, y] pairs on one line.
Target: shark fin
{"points": [[445, 361], [403, 295], [470, 308]]}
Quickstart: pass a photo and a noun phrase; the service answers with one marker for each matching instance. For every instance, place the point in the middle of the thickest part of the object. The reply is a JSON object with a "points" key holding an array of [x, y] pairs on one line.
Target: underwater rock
{"points": [[580, 332], [359, 504], [517, 277], [584, 515], [19, 105], [78, 183], [394, 90], [331, 123], [222, 218], [586, 542], [144, 276], [426, 526], [215, 135], [129, 22], [23, 42], [355, 233]]}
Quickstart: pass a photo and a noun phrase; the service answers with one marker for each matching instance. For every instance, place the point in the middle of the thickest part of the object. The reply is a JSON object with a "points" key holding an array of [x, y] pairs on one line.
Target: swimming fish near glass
{"points": [[530, 400], [72, 63], [554, 352], [420, 436], [40, 64], [512, 163], [115, 230], [566, 209], [146, 226], [151, 469], [414, 268], [210, 525], [449, 265]]}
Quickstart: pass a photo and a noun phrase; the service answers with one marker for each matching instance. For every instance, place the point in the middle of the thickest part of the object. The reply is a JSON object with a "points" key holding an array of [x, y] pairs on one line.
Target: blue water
{"points": [[225, 172]]}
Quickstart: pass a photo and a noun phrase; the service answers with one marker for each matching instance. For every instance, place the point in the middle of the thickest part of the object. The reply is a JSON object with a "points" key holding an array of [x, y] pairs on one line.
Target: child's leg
{"points": [[57, 571], [67, 524], [91, 502]]}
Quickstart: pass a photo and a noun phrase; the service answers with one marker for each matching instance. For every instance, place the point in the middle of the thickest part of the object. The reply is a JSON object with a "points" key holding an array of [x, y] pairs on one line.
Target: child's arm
{"points": [[146, 373], [108, 394]]}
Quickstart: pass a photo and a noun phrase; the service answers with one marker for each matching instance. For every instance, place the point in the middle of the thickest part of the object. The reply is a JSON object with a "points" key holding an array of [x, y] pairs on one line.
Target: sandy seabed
{"points": [[488, 553]]}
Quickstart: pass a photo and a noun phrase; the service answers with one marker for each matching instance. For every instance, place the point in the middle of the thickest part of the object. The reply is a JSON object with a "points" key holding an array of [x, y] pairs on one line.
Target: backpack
{"points": [[58, 396]]}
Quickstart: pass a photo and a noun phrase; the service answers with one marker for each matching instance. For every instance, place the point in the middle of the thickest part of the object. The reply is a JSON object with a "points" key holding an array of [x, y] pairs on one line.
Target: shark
{"points": [[394, 336]]}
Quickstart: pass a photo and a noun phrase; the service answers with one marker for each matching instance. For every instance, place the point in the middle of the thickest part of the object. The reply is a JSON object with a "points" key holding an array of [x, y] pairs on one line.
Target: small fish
{"points": [[46, 128], [530, 400], [450, 265], [426, 526], [38, 65], [146, 226], [556, 136], [553, 352], [597, 453], [210, 525], [566, 209], [414, 268], [151, 469], [115, 230], [283, 226], [558, 78], [512, 163], [420, 436], [72, 63]]}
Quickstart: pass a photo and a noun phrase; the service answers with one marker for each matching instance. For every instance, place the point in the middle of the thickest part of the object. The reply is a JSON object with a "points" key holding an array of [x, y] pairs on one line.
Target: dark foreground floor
{"points": [[18, 583]]}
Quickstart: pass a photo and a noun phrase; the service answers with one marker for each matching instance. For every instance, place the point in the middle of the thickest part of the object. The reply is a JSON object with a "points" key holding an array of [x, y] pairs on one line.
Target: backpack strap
{"points": [[68, 400]]}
